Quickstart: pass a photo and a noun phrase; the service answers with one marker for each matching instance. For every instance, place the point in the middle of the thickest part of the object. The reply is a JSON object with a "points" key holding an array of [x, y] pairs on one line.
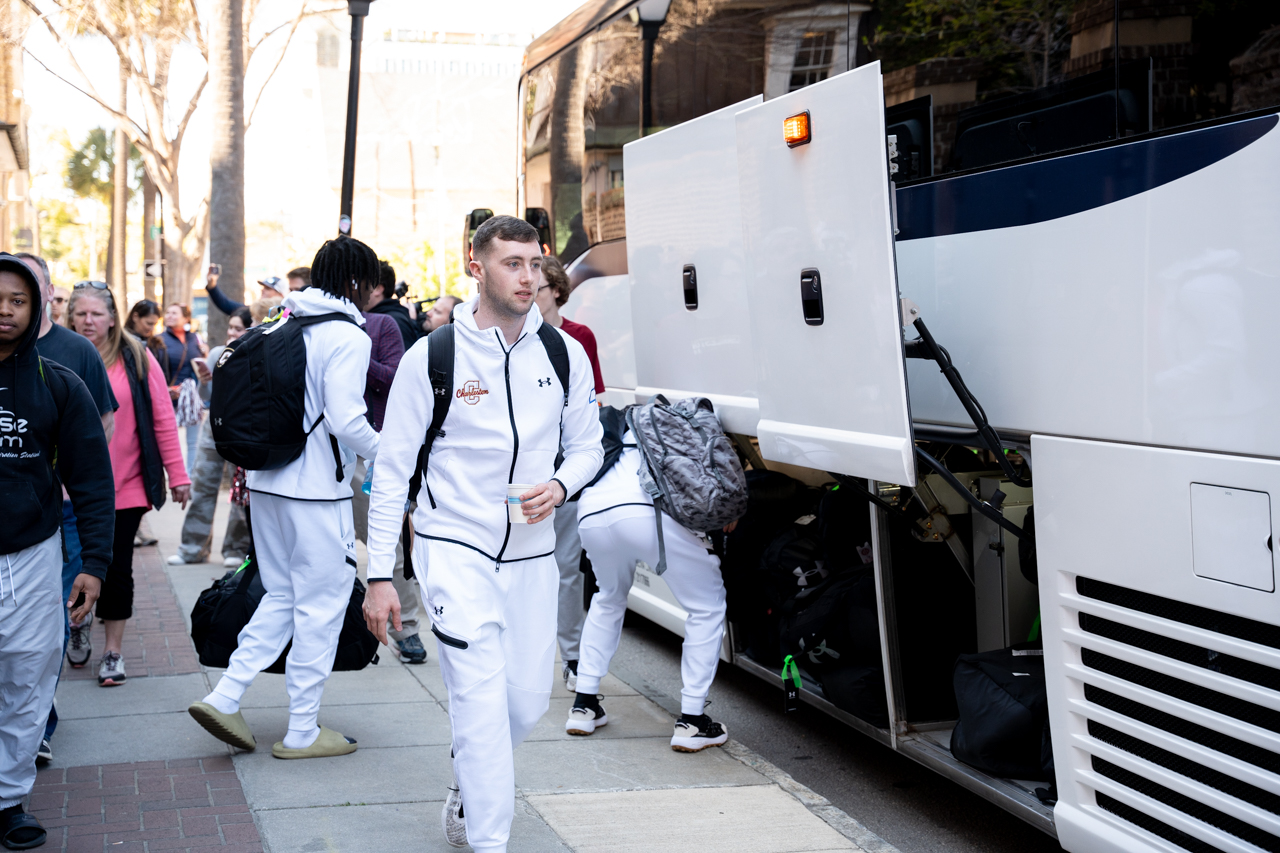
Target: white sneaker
{"points": [[584, 721], [455, 828], [232, 562], [176, 560], [111, 671], [570, 674], [80, 646], [694, 734]]}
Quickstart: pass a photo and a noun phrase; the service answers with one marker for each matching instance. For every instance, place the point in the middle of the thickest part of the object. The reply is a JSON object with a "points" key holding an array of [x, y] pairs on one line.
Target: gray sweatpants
{"points": [[31, 630], [570, 613], [406, 588], [197, 527]]}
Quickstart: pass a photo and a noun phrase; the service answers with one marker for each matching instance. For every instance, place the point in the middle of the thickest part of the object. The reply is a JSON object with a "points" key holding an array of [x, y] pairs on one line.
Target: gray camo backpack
{"points": [[691, 470]]}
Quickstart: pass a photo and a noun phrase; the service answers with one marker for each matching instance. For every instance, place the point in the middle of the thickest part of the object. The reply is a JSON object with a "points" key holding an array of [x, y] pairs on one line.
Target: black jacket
{"points": [[152, 464], [393, 309], [47, 416]]}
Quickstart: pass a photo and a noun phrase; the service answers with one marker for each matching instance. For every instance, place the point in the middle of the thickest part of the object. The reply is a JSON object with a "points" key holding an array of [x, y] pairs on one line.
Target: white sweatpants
{"points": [[495, 627], [694, 577], [570, 613], [31, 629], [307, 558]]}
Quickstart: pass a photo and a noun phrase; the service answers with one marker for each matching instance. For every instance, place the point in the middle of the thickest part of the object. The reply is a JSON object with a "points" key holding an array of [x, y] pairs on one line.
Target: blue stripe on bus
{"points": [[1050, 189]]}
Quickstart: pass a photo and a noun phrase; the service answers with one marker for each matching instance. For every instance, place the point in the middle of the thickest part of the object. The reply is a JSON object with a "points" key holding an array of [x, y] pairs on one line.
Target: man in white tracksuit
{"points": [[490, 584], [303, 532], [617, 525]]}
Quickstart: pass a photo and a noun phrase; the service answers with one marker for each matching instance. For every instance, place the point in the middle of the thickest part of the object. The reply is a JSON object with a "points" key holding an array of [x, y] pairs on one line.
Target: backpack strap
{"points": [[650, 485], [559, 355], [333, 441], [440, 347]]}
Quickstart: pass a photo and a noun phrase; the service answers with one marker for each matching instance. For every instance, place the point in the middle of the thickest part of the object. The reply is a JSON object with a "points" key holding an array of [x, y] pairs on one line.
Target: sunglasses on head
{"points": [[96, 285]]}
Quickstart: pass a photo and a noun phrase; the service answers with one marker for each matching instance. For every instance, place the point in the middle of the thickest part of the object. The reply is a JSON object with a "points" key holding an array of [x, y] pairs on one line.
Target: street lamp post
{"points": [[649, 16], [358, 9]]}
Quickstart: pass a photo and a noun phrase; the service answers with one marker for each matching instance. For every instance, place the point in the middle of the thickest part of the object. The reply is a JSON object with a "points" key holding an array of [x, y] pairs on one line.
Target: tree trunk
{"points": [[567, 144], [120, 202], [148, 242], [226, 157]]}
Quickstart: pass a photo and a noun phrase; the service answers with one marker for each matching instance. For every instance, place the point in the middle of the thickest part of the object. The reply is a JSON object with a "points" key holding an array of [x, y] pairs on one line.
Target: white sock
{"points": [[296, 739], [221, 703]]}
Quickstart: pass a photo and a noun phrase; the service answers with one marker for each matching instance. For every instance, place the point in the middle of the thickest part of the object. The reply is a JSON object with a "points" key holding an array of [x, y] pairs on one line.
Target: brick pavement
{"points": [[183, 804], [155, 640]]}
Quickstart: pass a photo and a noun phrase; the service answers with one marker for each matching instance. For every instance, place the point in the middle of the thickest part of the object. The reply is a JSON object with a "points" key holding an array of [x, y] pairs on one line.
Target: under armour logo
{"points": [[543, 383], [439, 611], [815, 655]]}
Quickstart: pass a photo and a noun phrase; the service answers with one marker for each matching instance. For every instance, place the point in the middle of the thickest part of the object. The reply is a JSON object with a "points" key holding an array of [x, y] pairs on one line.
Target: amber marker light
{"points": [[795, 129]]}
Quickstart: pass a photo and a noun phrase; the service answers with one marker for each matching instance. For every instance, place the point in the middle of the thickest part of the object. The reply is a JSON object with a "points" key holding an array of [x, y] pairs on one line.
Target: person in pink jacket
{"points": [[143, 448]]}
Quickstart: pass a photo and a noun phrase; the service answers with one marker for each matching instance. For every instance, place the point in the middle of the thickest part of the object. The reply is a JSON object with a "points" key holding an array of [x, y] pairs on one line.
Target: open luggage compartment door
{"points": [[822, 282], [685, 257]]}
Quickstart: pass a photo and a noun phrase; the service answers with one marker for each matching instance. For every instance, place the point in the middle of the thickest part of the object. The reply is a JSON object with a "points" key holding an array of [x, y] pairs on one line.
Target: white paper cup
{"points": [[515, 513]]}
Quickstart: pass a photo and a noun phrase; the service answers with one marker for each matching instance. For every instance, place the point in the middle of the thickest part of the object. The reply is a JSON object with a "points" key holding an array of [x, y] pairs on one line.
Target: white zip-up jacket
{"points": [[337, 362], [506, 422]]}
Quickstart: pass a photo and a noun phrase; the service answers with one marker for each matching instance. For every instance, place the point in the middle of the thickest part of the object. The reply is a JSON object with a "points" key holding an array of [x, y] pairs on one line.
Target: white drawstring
{"points": [[8, 562]]}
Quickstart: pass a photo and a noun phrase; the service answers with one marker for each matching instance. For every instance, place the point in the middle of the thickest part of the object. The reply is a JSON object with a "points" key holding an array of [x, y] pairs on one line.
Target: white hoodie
{"points": [[337, 362], [504, 426]]}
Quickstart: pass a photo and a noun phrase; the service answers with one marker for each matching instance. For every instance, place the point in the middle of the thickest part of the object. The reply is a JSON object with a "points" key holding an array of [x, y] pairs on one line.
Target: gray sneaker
{"points": [[111, 671], [80, 647], [411, 650], [455, 828]]}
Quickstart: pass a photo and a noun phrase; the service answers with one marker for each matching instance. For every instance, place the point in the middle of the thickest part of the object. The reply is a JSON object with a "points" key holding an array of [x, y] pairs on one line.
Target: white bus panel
{"points": [[603, 304], [833, 390], [1162, 682], [687, 266]]}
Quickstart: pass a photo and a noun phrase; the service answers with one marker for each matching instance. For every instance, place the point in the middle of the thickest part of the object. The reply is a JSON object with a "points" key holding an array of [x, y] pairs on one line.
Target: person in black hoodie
{"points": [[382, 300], [50, 436]]}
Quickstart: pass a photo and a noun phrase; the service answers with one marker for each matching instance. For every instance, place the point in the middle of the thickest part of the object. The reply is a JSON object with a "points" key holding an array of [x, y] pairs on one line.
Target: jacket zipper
{"points": [[515, 434]]}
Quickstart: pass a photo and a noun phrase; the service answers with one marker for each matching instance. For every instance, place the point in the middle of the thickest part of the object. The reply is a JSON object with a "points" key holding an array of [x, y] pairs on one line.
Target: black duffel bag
{"points": [[1003, 727], [222, 611]]}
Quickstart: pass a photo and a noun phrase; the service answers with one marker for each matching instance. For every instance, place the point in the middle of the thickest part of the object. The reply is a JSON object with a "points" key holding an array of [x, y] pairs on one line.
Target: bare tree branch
{"points": [[137, 135], [200, 42], [191, 108], [279, 59], [66, 48]]}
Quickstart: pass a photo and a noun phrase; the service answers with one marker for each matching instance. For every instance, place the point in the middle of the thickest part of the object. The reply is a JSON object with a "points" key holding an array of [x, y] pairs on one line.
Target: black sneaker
{"points": [[696, 733], [45, 753]]}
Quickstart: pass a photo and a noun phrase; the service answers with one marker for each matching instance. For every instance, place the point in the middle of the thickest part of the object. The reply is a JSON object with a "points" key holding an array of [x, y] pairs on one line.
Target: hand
{"points": [[380, 603], [538, 502], [731, 526], [173, 392], [202, 370], [181, 495], [211, 280], [91, 587]]}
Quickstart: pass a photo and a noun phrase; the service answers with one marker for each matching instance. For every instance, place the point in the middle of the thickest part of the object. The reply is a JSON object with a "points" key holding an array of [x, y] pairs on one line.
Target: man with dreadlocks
{"points": [[303, 532]]}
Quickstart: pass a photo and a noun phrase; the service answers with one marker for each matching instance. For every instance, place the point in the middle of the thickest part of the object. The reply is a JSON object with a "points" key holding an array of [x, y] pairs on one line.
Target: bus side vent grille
{"points": [[1199, 811], [1245, 670], [1204, 785], [1195, 694], [1176, 611], [1186, 767], [1154, 826], [1185, 729]]}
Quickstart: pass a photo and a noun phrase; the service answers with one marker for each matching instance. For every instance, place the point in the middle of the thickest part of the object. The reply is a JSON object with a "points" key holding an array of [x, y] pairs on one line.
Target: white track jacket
{"points": [[506, 422], [337, 363]]}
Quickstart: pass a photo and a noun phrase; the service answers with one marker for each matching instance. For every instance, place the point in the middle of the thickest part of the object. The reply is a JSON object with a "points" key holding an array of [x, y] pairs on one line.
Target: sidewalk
{"points": [[133, 772]]}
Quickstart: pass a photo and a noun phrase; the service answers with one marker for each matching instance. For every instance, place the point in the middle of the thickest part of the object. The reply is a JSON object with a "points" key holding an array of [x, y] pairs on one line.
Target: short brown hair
{"points": [[553, 272], [502, 228], [262, 308], [303, 273]]}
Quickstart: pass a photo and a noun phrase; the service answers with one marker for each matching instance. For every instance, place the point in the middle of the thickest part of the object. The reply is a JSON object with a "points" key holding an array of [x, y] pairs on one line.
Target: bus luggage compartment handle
{"points": [[690, 287], [811, 296]]}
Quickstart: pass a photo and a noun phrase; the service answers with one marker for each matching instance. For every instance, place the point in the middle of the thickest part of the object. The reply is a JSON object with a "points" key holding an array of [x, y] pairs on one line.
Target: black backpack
{"points": [[222, 611], [833, 625], [440, 348], [1003, 726], [257, 411]]}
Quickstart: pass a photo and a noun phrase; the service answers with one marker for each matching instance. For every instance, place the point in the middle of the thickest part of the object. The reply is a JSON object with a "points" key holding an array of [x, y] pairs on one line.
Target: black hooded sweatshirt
{"points": [[47, 416], [393, 309]]}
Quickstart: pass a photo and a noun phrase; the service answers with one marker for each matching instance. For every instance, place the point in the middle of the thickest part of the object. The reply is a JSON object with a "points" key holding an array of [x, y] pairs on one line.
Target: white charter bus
{"points": [[766, 203]]}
